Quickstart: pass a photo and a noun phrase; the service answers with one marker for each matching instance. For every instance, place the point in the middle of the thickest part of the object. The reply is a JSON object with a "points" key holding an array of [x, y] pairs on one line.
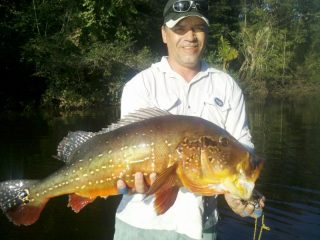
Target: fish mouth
{"points": [[256, 161]]}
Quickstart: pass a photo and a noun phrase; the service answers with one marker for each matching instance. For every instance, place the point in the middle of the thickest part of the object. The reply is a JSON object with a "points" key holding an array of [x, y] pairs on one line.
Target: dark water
{"points": [[286, 133]]}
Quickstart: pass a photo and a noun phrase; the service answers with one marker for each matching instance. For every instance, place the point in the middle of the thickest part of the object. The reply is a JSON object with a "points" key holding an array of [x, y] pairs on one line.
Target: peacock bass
{"points": [[184, 151]]}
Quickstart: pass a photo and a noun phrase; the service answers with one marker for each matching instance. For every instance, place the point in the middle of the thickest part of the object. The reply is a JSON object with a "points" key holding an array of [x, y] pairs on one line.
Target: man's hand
{"points": [[140, 185], [245, 209]]}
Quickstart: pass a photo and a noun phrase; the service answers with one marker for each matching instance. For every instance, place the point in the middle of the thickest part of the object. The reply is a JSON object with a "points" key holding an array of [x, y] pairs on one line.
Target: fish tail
{"points": [[15, 202]]}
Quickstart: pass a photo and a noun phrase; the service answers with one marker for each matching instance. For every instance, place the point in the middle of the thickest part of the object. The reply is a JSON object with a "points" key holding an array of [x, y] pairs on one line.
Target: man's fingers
{"points": [[153, 177], [139, 183], [244, 209], [122, 187]]}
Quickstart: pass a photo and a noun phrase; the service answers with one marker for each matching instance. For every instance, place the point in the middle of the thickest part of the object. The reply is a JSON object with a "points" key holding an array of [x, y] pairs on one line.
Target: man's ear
{"points": [[164, 34]]}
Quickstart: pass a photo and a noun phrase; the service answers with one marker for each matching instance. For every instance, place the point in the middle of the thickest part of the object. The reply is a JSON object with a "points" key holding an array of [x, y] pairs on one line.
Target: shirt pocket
{"points": [[216, 110]]}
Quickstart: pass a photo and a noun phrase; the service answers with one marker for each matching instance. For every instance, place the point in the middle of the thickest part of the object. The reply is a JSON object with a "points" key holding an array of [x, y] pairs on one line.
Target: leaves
{"points": [[84, 51]]}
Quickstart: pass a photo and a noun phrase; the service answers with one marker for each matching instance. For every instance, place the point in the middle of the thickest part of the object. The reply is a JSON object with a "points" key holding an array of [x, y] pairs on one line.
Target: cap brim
{"points": [[172, 22]]}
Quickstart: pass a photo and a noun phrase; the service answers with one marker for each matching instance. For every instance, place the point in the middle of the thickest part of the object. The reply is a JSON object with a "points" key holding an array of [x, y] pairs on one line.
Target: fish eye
{"points": [[224, 141]]}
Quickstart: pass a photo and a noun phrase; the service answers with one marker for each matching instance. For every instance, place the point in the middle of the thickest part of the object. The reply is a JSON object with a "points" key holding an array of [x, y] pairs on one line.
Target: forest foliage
{"points": [[79, 53]]}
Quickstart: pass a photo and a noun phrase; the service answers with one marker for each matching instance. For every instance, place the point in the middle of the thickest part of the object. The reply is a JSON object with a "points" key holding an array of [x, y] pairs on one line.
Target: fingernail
{"points": [[138, 176]]}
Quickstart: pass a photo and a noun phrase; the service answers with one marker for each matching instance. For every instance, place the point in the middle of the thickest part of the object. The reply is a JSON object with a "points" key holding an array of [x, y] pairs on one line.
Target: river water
{"points": [[285, 132]]}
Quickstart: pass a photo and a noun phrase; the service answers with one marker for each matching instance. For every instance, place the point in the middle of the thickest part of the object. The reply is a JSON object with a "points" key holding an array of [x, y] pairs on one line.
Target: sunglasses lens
{"points": [[181, 6], [185, 6]]}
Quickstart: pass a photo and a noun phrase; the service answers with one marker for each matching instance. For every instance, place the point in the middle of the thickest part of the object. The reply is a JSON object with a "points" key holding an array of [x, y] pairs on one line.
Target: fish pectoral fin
{"points": [[165, 188], [165, 199], [77, 202], [165, 180]]}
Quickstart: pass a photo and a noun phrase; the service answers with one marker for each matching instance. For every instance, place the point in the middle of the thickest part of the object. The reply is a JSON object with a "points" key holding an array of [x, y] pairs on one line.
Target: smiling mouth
{"points": [[192, 46]]}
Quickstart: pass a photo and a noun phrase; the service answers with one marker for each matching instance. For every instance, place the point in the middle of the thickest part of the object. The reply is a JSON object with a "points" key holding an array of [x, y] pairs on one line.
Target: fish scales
{"points": [[182, 150]]}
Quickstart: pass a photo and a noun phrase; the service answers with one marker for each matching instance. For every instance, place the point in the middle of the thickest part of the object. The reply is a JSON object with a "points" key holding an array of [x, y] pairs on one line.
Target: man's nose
{"points": [[190, 35]]}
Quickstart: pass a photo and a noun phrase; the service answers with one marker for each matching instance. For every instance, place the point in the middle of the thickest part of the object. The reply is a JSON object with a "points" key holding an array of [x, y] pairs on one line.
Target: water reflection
{"points": [[286, 133]]}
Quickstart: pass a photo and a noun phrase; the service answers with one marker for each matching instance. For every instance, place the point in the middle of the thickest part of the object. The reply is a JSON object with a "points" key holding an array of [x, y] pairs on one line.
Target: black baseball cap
{"points": [[176, 10]]}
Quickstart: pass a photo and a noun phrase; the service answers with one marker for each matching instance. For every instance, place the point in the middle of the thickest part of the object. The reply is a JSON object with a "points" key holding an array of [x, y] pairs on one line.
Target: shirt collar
{"points": [[164, 66]]}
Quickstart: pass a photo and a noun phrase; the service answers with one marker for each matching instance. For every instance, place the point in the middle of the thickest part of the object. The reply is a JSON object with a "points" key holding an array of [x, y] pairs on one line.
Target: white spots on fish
{"points": [[91, 172], [110, 151], [104, 167], [83, 186], [97, 169], [90, 183], [85, 175], [100, 155], [77, 179]]}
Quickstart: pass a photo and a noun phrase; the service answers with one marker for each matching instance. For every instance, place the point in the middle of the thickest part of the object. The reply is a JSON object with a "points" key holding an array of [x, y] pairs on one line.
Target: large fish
{"points": [[184, 151]]}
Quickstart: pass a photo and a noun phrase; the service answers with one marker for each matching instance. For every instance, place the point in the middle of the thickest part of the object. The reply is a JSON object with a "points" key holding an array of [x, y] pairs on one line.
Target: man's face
{"points": [[186, 41]]}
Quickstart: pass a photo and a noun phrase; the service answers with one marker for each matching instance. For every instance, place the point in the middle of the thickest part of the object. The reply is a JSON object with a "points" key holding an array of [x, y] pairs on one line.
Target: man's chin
{"points": [[191, 63]]}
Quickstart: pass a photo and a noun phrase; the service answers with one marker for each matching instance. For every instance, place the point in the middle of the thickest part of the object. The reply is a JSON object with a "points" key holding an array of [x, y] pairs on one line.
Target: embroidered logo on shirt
{"points": [[218, 101]]}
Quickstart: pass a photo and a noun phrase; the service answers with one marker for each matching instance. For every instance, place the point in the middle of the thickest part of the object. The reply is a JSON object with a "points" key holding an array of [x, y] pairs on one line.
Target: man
{"points": [[182, 84]]}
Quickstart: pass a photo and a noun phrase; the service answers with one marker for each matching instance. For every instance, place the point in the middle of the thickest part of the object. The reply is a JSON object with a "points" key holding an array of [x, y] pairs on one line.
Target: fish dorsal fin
{"points": [[71, 142], [136, 116], [75, 139]]}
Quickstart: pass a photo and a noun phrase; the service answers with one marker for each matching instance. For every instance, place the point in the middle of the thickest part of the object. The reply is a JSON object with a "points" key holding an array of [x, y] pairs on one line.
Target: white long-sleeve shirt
{"points": [[212, 95]]}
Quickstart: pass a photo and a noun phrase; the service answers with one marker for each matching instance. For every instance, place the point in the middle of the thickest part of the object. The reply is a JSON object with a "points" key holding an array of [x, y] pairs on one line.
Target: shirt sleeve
{"points": [[134, 96], [236, 122]]}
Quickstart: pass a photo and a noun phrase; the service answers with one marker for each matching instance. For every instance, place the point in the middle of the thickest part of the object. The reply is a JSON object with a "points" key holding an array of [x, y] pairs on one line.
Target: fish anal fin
{"points": [[77, 202], [165, 199], [25, 214]]}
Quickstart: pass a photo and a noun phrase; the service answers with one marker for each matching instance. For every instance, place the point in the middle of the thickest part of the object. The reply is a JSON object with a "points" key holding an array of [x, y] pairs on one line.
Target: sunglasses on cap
{"points": [[186, 5]]}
